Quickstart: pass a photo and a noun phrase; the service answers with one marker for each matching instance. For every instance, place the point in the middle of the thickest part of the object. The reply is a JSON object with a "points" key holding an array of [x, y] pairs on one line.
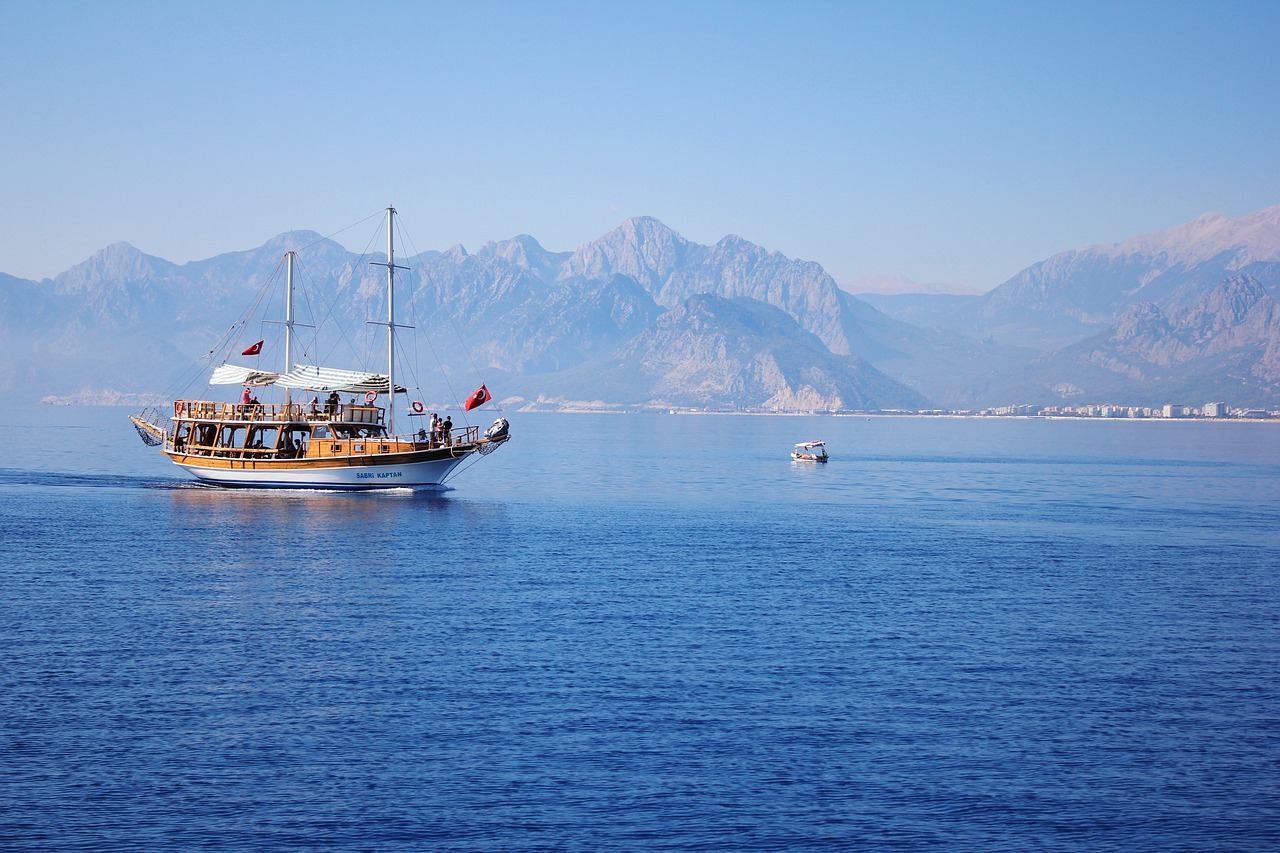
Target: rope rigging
{"points": [[323, 311]]}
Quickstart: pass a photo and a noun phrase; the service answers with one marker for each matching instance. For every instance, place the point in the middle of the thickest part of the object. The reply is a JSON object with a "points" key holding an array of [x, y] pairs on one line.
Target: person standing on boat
{"points": [[446, 429], [334, 400], [435, 428], [244, 398]]}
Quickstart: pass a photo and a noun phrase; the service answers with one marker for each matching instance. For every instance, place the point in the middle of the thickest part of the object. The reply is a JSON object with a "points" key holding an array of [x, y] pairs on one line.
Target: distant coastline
{"points": [[1217, 412]]}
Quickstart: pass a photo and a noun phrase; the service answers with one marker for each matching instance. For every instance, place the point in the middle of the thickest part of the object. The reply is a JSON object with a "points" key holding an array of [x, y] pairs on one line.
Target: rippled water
{"points": [[652, 632]]}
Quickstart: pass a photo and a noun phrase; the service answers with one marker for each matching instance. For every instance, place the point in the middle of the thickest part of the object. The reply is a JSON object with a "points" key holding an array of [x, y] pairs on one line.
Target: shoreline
{"points": [[605, 409]]}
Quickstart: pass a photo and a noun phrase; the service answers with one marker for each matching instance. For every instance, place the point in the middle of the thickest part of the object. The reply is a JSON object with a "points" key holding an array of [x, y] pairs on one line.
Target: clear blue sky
{"points": [[948, 142]]}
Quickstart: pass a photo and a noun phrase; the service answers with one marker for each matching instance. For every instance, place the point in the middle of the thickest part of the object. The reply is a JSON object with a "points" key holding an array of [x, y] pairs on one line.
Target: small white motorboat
{"points": [[810, 451]]}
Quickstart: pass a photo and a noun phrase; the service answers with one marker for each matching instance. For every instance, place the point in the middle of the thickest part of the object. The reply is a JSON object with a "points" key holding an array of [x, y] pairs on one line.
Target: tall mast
{"points": [[391, 318], [288, 326], [290, 321]]}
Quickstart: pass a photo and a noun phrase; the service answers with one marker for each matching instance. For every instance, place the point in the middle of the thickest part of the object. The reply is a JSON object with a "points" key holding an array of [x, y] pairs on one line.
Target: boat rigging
{"points": [[351, 446]]}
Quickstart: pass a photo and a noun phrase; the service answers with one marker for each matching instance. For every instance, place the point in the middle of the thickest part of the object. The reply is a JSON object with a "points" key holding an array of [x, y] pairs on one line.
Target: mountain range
{"points": [[641, 317]]}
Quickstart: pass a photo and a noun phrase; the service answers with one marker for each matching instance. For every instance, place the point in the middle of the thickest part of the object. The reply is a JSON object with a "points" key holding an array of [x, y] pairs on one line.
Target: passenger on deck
{"points": [[334, 402], [446, 430]]}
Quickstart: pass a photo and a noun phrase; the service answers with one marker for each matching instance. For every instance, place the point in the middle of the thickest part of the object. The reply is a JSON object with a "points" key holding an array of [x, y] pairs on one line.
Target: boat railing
{"points": [[462, 438], [458, 436], [279, 412]]}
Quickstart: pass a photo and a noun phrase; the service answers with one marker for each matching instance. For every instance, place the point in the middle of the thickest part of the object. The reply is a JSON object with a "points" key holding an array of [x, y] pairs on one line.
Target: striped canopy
{"points": [[306, 377]]}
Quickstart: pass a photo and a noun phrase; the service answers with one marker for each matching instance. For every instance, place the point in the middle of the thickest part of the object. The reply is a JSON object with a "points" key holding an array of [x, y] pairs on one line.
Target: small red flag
{"points": [[253, 350], [479, 398]]}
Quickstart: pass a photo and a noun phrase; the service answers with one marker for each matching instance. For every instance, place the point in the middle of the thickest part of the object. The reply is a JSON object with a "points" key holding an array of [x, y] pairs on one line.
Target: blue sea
{"points": [[651, 632]]}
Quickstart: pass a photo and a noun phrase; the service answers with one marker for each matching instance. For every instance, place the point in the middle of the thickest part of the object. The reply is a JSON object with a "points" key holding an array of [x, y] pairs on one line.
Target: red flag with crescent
{"points": [[479, 398], [254, 350]]}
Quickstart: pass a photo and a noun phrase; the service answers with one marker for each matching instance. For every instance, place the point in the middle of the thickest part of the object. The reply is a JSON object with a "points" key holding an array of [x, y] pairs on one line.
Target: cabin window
{"points": [[206, 434], [295, 439], [263, 438], [320, 431], [232, 436]]}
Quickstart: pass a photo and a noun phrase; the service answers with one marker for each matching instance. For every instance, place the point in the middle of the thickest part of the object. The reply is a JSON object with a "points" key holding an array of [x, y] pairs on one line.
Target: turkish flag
{"points": [[253, 350], [479, 398]]}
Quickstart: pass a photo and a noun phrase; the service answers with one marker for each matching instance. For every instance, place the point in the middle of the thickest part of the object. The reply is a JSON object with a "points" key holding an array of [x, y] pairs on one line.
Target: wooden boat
{"points": [[315, 445], [810, 451]]}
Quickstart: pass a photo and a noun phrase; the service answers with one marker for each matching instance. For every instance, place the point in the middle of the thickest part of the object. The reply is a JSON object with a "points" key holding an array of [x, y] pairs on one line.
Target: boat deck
{"points": [[300, 434]]}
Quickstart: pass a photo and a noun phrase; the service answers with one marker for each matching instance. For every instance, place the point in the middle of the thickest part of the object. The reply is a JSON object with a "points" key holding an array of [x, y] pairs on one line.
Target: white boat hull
{"points": [[405, 475]]}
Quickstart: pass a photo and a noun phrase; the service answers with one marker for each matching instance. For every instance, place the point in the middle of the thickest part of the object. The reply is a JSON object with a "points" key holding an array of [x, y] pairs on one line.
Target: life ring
{"points": [[370, 396], [177, 408], [417, 407]]}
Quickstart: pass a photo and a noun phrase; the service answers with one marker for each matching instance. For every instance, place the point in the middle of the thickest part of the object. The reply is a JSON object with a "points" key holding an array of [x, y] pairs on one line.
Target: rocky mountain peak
{"points": [[1238, 304], [1235, 297], [293, 241], [1142, 321], [753, 355], [642, 248], [1077, 293], [110, 267], [1253, 237], [526, 253]]}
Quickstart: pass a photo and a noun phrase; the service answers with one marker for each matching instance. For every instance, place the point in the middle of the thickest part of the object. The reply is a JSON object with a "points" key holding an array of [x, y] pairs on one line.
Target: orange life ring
{"points": [[370, 396], [417, 406], [177, 408]]}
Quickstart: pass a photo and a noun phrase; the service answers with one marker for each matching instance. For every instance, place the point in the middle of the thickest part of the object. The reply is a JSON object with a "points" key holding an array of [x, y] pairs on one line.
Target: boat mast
{"points": [[391, 321], [391, 318], [288, 326]]}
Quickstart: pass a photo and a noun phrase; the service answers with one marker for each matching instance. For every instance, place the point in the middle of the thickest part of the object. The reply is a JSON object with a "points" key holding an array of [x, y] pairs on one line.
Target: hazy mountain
{"points": [[935, 364], [750, 354], [1227, 344], [127, 322], [897, 285], [673, 269], [576, 321], [1079, 293], [642, 316], [950, 369], [716, 352], [928, 310]]}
